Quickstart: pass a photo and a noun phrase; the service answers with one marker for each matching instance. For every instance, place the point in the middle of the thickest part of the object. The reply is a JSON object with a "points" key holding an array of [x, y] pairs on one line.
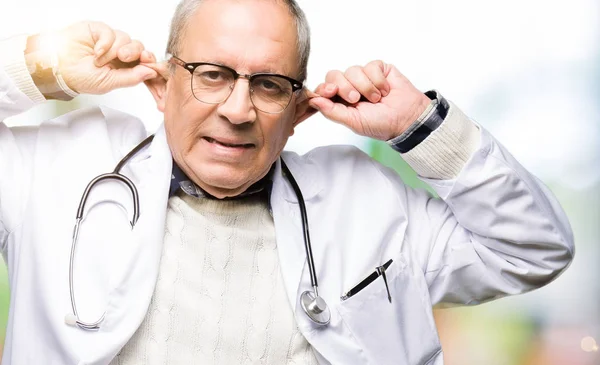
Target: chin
{"points": [[224, 179], [227, 183], [221, 192]]}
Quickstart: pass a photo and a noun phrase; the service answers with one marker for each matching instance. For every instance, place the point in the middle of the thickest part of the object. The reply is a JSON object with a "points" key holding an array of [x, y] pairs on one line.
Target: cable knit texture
{"points": [[219, 298]]}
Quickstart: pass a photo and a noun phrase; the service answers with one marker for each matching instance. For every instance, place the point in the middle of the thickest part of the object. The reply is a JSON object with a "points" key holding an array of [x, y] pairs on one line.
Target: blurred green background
{"points": [[5, 296]]}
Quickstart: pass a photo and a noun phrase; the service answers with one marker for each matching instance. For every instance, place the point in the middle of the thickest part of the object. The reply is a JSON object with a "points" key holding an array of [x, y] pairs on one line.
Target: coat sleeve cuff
{"points": [[12, 61], [444, 153]]}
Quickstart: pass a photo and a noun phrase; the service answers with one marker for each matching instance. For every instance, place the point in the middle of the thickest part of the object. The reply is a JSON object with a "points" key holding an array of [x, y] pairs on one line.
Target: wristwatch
{"points": [[428, 122], [42, 65]]}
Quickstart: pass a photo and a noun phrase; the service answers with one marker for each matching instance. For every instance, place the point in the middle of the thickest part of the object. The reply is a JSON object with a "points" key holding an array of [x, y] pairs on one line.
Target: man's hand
{"points": [[95, 59], [376, 100]]}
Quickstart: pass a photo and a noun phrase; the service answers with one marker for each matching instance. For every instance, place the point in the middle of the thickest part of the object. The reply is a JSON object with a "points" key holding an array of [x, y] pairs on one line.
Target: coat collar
{"points": [[305, 172]]}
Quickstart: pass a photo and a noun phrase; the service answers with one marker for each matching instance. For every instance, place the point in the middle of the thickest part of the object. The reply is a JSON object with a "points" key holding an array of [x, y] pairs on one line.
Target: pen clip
{"points": [[381, 271]]}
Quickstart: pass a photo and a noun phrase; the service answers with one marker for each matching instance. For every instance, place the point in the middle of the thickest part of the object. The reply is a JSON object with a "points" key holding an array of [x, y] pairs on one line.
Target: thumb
{"points": [[160, 68], [333, 111], [127, 77]]}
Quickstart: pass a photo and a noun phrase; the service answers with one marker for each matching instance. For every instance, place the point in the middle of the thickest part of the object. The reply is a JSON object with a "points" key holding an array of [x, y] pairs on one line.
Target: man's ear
{"points": [[158, 85], [303, 110]]}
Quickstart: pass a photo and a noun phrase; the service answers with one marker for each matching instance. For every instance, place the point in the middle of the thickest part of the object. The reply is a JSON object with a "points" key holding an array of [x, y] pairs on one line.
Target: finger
{"points": [[126, 77], [161, 68], [131, 51], [121, 39], [345, 89], [333, 111], [375, 71], [103, 37], [147, 57], [306, 94], [326, 90], [310, 94], [361, 82]]}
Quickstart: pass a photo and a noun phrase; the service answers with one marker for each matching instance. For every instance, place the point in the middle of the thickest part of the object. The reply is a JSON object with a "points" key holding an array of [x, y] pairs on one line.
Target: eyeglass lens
{"points": [[213, 84]]}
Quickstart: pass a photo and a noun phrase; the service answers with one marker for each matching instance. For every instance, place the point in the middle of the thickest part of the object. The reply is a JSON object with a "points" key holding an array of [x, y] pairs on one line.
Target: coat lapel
{"points": [[136, 272], [134, 284], [288, 221]]}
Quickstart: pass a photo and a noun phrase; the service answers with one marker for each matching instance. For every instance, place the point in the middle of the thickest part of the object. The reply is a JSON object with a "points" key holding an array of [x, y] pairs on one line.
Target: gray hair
{"points": [[186, 9]]}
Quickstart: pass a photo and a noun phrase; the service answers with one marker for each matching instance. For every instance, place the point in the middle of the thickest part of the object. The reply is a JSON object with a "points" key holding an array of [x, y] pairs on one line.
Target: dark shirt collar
{"points": [[179, 180]]}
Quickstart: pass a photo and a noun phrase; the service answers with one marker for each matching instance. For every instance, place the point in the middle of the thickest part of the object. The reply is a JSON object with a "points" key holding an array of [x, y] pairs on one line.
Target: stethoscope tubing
{"points": [[305, 230], [116, 175]]}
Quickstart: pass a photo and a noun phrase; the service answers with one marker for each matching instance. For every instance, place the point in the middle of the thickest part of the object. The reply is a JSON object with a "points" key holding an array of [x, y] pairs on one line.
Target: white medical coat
{"points": [[496, 231]]}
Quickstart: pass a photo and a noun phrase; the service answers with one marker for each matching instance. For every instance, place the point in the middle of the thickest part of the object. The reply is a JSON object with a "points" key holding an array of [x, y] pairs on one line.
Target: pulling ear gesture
{"points": [[376, 100], [93, 58], [157, 85]]}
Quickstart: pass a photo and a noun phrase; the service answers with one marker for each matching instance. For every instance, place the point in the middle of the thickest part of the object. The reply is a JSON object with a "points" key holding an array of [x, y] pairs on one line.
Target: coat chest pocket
{"points": [[401, 332]]}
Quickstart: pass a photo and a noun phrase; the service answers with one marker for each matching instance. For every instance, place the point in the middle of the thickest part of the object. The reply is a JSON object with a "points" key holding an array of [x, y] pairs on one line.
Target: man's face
{"points": [[226, 147]]}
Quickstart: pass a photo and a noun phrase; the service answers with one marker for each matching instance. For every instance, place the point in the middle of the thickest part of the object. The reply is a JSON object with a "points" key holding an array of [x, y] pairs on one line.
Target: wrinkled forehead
{"points": [[247, 35]]}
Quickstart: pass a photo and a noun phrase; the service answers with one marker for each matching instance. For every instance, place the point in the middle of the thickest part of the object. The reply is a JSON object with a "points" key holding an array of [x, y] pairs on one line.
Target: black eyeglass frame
{"points": [[192, 66]]}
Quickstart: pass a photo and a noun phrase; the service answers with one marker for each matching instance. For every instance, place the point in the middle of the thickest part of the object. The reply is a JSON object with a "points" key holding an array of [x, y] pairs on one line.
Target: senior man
{"points": [[216, 267]]}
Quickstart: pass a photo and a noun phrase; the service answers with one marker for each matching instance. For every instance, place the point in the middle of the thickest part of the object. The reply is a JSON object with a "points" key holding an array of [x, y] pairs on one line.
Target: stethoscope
{"points": [[312, 304]]}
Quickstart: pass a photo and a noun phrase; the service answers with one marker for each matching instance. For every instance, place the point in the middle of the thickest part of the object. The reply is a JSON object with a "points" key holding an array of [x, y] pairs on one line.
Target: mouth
{"points": [[229, 145]]}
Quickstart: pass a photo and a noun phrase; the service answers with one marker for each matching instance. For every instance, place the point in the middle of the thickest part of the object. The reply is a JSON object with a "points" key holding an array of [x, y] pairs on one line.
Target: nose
{"points": [[238, 108]]}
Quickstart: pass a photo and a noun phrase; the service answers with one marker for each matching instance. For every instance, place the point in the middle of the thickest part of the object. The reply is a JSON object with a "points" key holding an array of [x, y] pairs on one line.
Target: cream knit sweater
{"points": [[219, 298]]}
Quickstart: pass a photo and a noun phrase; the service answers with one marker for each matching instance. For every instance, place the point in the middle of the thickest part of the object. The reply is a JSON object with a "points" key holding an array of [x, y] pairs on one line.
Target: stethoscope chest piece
{"points": [[315, 308]]}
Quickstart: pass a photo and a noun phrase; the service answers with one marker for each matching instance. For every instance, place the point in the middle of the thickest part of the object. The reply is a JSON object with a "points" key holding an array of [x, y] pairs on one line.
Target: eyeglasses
{"points": [[213, 84]]}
